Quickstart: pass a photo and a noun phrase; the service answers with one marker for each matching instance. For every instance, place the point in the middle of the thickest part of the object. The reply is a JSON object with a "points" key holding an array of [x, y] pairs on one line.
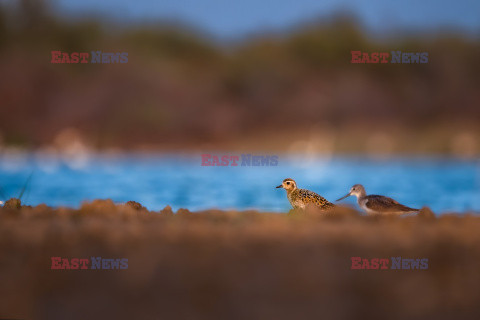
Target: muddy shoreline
{"points": [[235, 265]]}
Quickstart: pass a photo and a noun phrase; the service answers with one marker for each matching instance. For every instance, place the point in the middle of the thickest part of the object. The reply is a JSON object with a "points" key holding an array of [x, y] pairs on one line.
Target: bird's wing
{"points": [[384, 204], [315, 198]]}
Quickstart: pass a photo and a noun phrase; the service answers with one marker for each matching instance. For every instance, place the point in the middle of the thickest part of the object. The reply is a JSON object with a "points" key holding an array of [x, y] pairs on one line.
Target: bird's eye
{"points": [[288, 182]]}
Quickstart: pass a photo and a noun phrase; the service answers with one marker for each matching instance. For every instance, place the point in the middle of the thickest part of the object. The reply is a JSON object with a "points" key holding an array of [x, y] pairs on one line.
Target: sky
{"points": [[229, 19]]}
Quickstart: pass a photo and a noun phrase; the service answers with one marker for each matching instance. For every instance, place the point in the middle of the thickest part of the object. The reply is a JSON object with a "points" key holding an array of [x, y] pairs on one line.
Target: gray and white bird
{"points": [[375, 204]]}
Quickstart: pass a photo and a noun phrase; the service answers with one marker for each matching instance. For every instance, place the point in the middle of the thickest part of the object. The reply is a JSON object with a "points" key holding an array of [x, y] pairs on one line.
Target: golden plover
{"points": [[301, 198], [375, 204]]}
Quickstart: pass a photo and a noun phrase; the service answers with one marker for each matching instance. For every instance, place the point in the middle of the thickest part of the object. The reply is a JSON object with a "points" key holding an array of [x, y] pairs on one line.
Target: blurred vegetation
{"points": [[181, 89]]}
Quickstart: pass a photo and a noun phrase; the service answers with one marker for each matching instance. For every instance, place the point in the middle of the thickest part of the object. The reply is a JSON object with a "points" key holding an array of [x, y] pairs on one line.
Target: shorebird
{"points": [[374, 204], [300, 198]]}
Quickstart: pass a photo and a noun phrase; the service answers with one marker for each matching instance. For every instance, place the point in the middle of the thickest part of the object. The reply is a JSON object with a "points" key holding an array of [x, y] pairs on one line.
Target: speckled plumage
{"points": [[301, 198]]}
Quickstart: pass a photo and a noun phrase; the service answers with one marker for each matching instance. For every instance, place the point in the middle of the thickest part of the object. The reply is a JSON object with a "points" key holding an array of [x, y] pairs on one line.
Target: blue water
{"points": [[157, 181]]}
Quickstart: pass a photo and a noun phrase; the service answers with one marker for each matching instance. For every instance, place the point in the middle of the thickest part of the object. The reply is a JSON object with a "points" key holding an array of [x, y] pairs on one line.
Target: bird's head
{"points": [[288, 184], [357, 190]]}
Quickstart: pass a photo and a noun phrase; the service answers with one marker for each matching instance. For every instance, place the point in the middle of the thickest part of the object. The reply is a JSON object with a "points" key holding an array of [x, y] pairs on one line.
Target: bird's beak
{"points": [[346, 196], [280, 186]]}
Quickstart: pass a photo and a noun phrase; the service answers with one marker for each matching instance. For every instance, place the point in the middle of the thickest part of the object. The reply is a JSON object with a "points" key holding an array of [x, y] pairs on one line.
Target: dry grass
{"points": [[235, 265]]}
